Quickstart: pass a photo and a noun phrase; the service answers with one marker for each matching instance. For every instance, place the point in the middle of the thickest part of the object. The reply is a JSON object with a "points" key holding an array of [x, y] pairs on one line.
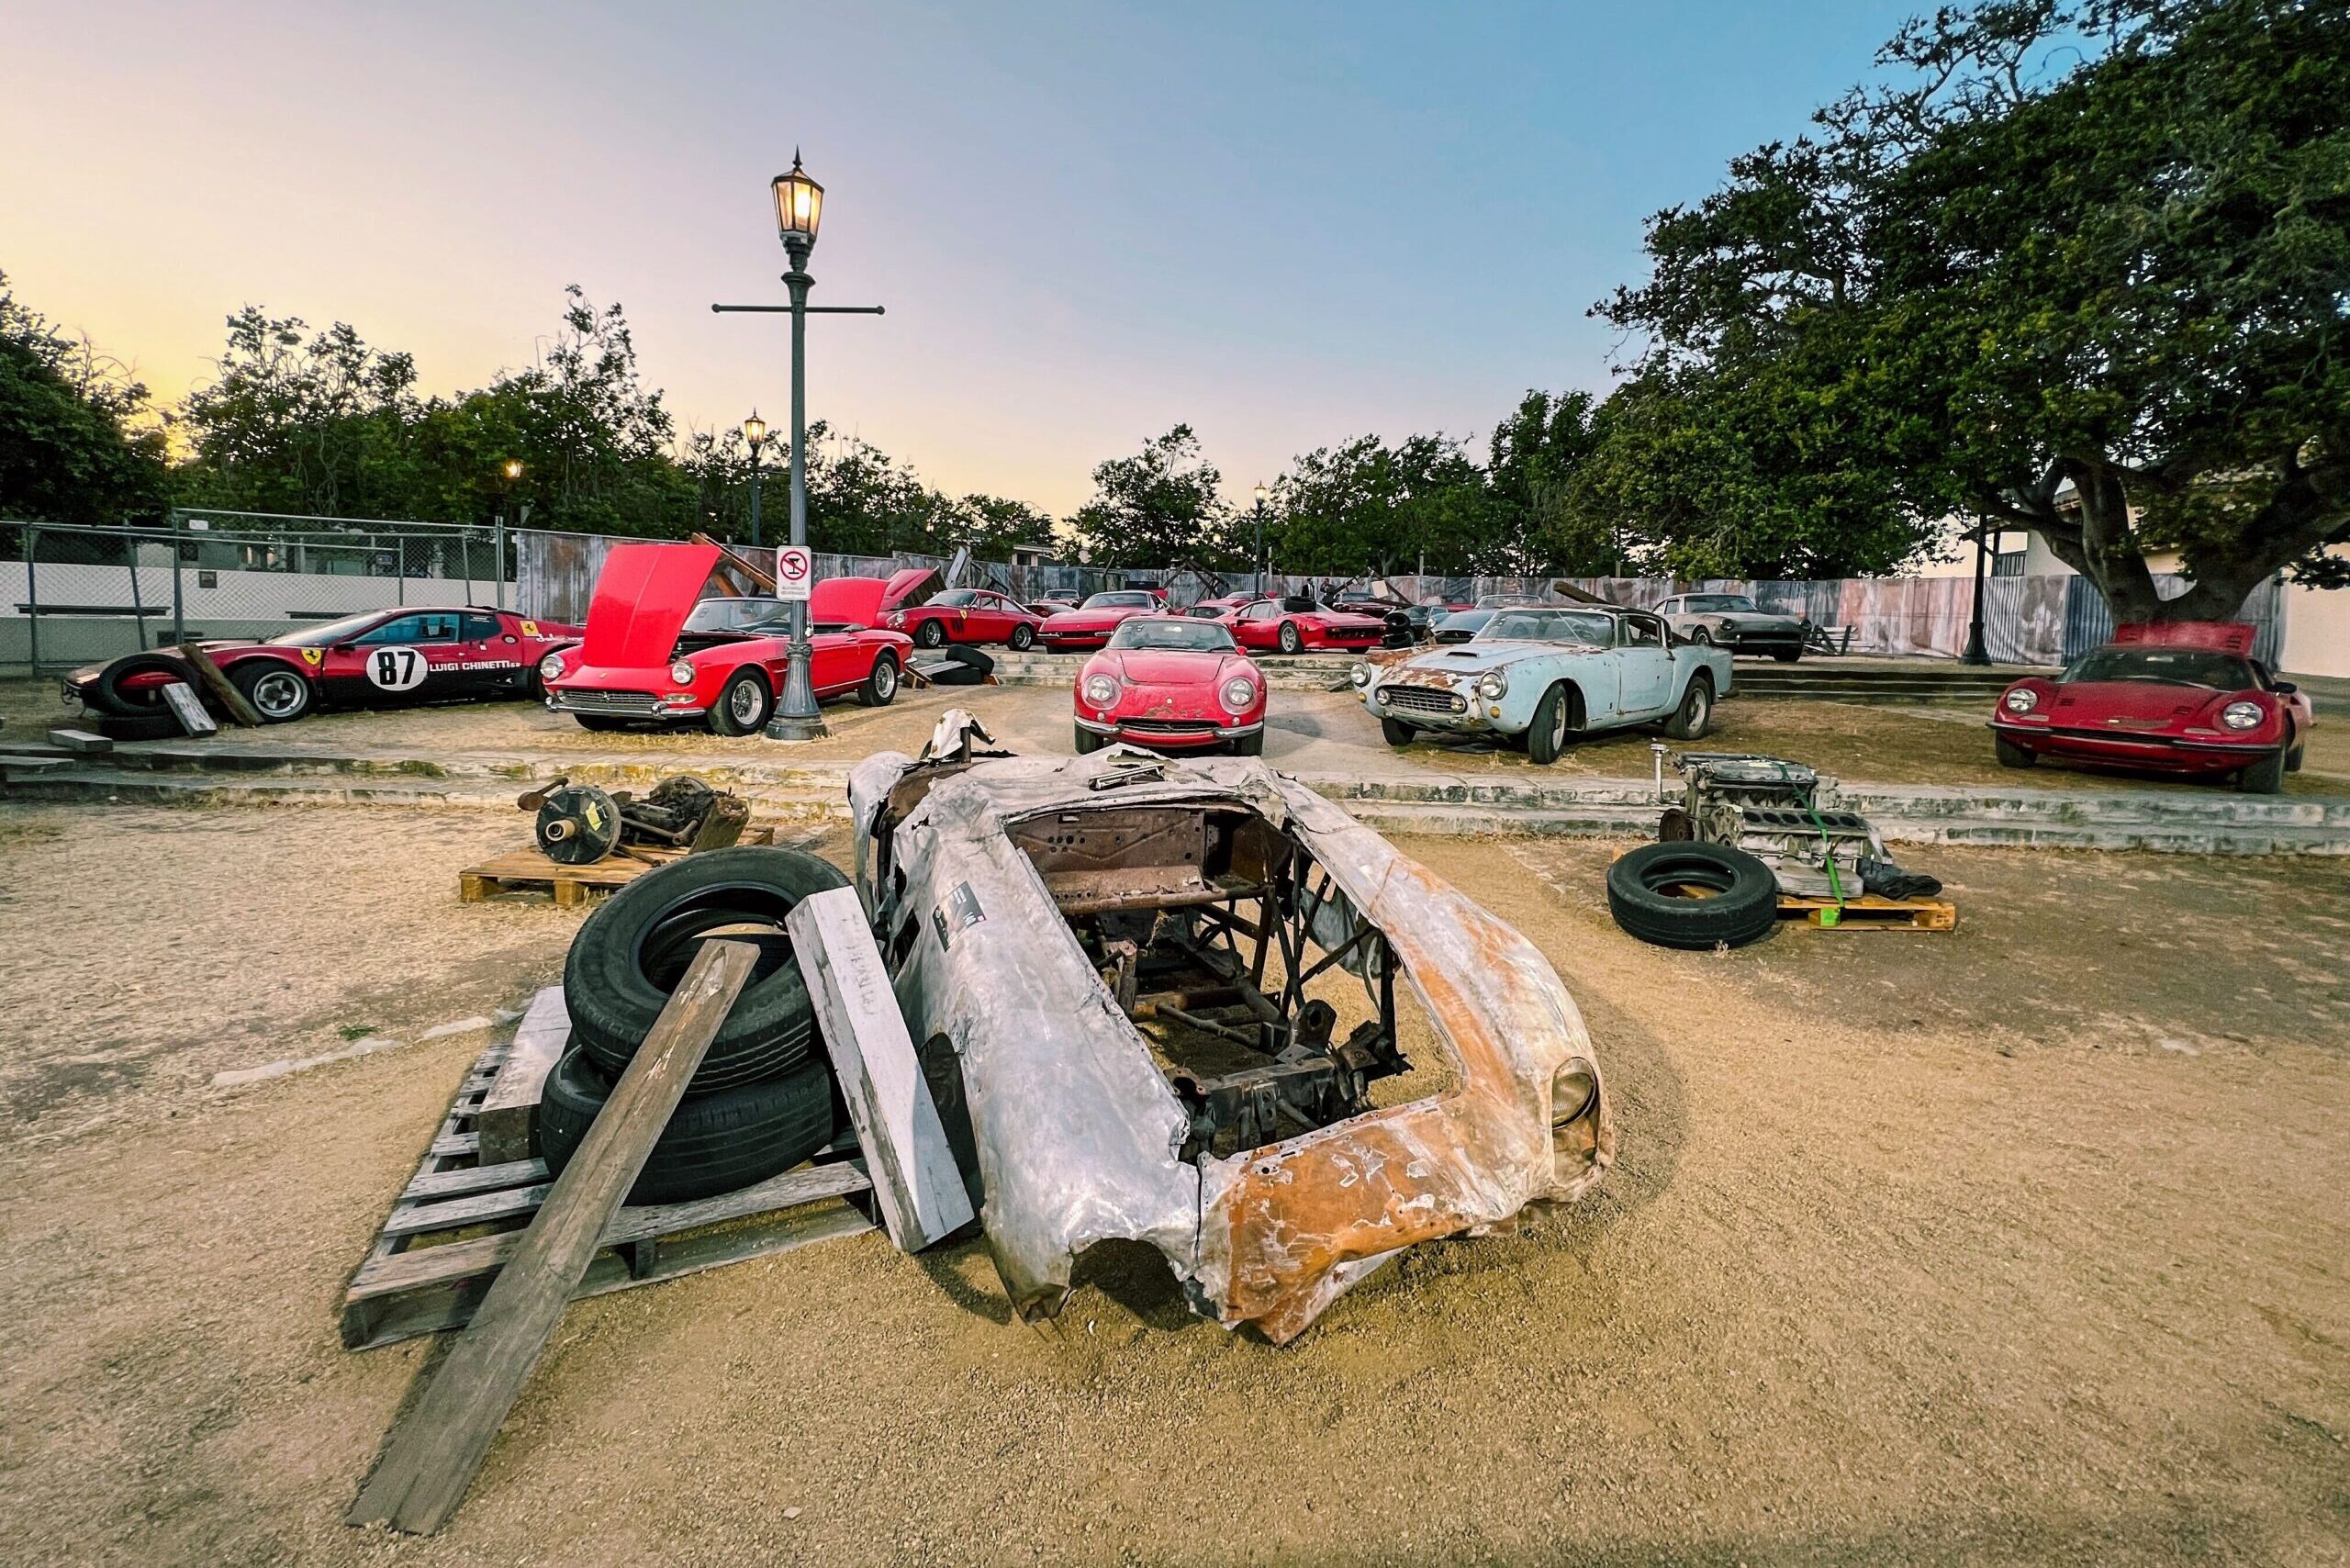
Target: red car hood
{"points": [[910, 588], [2140, 701], [1171, 667], [1089, 619], [643, 596]]}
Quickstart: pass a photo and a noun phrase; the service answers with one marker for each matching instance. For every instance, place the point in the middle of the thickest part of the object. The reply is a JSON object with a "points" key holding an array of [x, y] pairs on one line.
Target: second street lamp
{"points": [[1258, 556], [755, 432]]}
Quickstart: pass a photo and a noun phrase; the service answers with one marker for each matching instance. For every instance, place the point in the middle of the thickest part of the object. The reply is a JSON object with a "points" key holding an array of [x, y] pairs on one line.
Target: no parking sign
{"points": [[795, 572]]}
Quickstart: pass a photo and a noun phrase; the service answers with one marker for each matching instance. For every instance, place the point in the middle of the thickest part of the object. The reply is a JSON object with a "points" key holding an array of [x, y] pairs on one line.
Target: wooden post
{"points": [[434, 1454], [223, 689]]}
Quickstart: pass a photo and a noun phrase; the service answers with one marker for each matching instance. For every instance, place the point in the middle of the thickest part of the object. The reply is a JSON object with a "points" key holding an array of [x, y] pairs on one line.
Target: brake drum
{"points": [[578, 824]]}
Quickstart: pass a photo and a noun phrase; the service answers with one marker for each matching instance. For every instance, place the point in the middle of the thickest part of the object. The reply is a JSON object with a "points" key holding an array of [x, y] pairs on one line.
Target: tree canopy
{"points": [[76, 445]]}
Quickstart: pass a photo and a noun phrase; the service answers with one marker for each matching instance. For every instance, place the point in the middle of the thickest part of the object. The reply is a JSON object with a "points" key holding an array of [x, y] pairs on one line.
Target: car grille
{"points": [[1166, 726], [1422, 700], [637, 704]]}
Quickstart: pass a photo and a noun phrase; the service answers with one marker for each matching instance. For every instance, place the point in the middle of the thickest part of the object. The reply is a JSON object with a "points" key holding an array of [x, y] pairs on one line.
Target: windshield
{"points": [[954, 598], [1719, 604], [734, 614], [1174, 637], [2168, 666], [1119, 601], [330, 632], [1585, 627]]}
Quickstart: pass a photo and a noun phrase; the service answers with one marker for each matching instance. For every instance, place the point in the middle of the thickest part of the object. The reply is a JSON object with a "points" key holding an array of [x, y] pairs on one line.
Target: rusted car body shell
{"points": [[1076, 1131]]}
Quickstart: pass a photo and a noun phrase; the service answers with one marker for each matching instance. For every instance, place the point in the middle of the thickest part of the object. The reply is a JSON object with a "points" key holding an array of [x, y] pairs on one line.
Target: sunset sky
{"points": [[1285, 224]]}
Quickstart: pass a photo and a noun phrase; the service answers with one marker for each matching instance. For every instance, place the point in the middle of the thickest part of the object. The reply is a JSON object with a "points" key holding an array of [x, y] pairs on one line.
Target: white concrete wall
{"points": [[2317, 627]]}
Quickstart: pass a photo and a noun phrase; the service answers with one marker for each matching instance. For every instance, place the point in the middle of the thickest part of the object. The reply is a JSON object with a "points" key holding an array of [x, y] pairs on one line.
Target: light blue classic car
{"points": [[1550, 673]]}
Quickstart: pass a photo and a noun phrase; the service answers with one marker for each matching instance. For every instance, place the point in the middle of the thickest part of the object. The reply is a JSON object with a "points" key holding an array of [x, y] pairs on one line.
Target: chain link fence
{"points": [[72, 595]]}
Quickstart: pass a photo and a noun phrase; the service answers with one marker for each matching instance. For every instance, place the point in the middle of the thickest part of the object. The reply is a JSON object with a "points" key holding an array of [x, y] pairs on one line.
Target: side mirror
{"points": [[2284, 687]]}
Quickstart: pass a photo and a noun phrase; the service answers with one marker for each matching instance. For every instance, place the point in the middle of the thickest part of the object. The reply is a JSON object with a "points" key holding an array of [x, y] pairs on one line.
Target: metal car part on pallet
{"points": [[1770, 807], [578, 824]]}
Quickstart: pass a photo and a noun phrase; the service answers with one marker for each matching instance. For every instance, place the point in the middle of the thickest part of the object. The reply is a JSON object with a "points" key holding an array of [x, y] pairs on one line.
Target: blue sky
{"points": [[1285, 224]]}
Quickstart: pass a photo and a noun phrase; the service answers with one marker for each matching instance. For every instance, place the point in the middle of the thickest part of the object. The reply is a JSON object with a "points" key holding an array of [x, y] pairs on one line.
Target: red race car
{"points": [[963, 615], [385, 658], [1091, 623], [657, 651], [1295, 625], [1171, 681], [2184, 697]]}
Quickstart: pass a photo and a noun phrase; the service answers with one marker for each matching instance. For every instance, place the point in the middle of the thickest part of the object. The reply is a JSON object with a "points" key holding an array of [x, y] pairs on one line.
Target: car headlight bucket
{"points": [[682, 672], [2023, 700], [1492, 684], [1237, 694], [1101, 689], [551, 666], [2242, 715], [1359, 675]]}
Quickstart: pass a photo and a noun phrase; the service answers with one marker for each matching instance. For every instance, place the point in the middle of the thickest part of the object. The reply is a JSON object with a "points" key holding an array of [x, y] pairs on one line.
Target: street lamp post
{"points": [[1977, 653], [1257, 560], [755, 432], [512, 469]]}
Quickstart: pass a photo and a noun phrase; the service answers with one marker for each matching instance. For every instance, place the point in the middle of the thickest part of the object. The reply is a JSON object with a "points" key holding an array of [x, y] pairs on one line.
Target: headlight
{"points": [[1492, 684], [1238, 693], [1101, 689], [1359, 675], [551, 666], [2023, 700], [2242, 715], [682, 672]]}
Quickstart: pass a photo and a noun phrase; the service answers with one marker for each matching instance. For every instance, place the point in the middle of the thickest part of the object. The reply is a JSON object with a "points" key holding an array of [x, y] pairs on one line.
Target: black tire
{"points": [[278, 693], [600, 723], [715, 1143], [2293, 757], [1089, 741], [1398, 733], [1702, 636], [1553, 723], [2266, 776], [109, 697], [1250, 744], [2012, 755], [930, 633], [744, 704], [1696, 715], [1644, 894], [1022, 638], [634, 948], [150, 725], [1787, 656], [881, 688], [1291, 640]]}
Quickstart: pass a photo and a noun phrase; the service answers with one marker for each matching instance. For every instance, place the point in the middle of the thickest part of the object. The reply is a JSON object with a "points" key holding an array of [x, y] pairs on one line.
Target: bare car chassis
{"points": [[1039, 915]]}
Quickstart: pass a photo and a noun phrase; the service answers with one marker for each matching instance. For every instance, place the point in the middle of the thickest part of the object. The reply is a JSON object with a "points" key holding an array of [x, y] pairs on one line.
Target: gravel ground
{"points": [[2022, 1244]]}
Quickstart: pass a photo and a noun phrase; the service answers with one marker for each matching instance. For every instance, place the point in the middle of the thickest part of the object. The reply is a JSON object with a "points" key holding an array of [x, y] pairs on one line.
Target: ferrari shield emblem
{"points": [[313, 656], [530, 628]]}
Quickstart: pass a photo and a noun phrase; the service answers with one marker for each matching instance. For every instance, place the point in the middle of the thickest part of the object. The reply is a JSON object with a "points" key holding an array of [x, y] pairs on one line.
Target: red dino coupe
{"points": [[1091, 623], [1171, 681], [1296, 625], [963, 615], [654, 652], [2187, 698]]}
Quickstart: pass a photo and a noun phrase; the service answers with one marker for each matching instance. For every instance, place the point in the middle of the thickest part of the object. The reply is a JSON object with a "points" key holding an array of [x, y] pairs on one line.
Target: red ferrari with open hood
{"points": [[657, 651]]}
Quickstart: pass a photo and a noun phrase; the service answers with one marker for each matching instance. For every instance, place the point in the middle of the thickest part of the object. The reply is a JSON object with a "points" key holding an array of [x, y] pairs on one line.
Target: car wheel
{"points": [[1696, 714], [743, 705], [881, 688], [1249, 745], [1398, 733], [600, 723], [278, 694], [1787, 656], [2293, 757], [2265, 776], [1089, 741], [1552, 721], [110, 696], [631, 952], [714, 1143], [1702, 637], [1023, 637], [930, 634], [1292, 641], [1693, 895], [2012, 755]]}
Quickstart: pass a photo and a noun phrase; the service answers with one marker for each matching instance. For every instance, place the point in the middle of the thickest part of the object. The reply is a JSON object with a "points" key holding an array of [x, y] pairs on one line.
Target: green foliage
{"points": [[1366, 507], [72, 447], [1159, 508]]}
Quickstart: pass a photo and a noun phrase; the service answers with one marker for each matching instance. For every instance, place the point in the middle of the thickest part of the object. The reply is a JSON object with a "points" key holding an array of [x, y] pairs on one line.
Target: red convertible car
{"points": [[655, 651], [964, 615], [1295, 625], [1091, 623], [2186, 697], [384, 658], [1171, 681]]}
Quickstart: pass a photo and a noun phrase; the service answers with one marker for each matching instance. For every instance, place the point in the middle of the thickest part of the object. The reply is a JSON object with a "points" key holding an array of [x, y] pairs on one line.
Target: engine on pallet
{"points": [[580, 824], [1770, 807]]}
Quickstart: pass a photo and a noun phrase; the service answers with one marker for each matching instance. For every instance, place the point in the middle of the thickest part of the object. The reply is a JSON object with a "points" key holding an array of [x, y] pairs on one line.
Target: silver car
{"points": [[1734, 621]]}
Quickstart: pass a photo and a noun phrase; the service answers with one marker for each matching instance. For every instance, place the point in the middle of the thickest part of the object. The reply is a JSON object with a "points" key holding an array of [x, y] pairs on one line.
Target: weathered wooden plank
{"points": [[181, 700], [474, 1179], [79, 740], [224, 690], [455, 1212], [449, 1145], [504, 1119], [434, 1454], [915, 1183]]}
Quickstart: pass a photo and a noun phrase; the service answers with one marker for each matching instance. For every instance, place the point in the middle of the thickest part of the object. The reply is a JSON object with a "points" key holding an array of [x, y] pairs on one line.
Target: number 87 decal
{"points": [[396, 668]]}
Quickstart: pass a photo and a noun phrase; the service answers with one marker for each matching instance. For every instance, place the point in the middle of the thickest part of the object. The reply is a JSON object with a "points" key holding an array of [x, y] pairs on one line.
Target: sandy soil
{"points": [[1307, 730], [2019, 1245]]}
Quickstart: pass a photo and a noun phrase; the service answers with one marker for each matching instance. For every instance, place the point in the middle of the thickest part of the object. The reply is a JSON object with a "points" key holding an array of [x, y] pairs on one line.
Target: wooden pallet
{"points": [[1870, 912], [457, 1222], [530, 870]]}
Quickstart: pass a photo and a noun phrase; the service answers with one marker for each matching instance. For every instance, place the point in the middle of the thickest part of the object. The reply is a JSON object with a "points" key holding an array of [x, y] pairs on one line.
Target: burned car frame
{"points": [[1105, 962]]}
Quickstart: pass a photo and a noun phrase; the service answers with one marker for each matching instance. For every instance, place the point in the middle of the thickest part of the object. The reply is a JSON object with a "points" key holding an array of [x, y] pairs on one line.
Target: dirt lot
{"points": [[2019, 1245], [1308, 731]]}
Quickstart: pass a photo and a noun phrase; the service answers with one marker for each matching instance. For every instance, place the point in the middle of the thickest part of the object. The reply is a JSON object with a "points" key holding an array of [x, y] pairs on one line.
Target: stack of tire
{"points": [[763, 1098]]}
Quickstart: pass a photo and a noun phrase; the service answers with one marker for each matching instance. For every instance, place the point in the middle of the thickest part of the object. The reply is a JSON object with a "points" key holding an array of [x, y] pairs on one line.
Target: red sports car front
{"points": [[1091, 623], [2185, 699], [1169, 681]]}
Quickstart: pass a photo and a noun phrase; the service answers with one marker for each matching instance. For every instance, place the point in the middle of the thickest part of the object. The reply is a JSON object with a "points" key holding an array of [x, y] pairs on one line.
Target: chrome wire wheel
{"points": [[885, 678], [746, 704]]}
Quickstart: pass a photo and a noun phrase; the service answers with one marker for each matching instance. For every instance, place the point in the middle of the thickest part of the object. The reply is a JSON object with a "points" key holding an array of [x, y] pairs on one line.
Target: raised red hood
{"points": [[643, 596], [910, 586], [2226, 636], [846, 602]]}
